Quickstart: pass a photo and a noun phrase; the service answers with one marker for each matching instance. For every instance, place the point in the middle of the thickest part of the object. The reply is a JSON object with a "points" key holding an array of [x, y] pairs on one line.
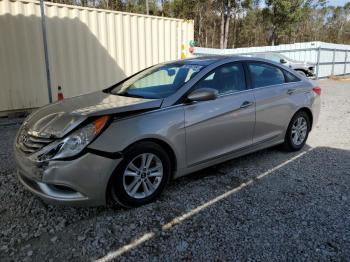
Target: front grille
{"points": [[30, 144]]}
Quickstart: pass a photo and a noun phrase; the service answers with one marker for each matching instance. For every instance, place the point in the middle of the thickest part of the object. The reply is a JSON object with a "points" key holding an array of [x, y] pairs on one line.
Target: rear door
{"points": [[218, 127], [277, 95]]}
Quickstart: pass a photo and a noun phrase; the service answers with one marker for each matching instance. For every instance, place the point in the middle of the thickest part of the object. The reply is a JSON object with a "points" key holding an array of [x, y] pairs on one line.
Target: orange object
{"points": [[60, 94], [100, 123]]}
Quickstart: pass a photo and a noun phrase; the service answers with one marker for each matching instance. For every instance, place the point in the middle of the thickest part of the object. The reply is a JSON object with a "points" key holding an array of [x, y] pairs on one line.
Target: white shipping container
{"points": [[88, 49]]}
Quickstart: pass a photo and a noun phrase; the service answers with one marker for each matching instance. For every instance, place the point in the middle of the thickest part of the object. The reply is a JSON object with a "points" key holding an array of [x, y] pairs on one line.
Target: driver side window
{"points": [[228, 78]]}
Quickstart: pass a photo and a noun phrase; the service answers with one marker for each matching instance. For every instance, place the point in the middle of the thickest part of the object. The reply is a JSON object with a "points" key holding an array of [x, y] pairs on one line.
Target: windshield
{"points": [[157, 82]]}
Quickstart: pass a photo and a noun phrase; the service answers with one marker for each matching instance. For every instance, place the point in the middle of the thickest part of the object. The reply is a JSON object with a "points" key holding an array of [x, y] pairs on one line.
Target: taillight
{"points": [[317, 90]]}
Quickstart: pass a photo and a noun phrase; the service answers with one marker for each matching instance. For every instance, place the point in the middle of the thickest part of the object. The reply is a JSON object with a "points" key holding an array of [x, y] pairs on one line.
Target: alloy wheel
{"points": [[143, 175], [299, 130]]}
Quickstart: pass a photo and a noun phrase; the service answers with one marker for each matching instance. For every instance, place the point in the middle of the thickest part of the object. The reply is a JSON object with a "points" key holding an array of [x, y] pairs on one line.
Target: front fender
{"points": [[165, 124]]}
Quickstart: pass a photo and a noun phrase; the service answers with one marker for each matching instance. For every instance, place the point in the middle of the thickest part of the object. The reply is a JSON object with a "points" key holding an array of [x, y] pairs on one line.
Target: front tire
{"points": [[141, 176], [297, 132]]}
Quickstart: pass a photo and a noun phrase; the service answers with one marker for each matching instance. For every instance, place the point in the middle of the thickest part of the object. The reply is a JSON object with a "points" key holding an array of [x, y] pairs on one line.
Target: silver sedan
{"points": [[123, 144]]}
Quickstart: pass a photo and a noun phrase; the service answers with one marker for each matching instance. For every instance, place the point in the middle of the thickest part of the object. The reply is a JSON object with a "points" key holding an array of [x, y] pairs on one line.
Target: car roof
{"points": [[206, 60], [211, 59], [201, 60]]}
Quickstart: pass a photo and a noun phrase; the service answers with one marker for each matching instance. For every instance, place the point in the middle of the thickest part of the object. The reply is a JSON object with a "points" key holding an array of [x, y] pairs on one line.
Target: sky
{"points": [[337, 2], [329, 2]]}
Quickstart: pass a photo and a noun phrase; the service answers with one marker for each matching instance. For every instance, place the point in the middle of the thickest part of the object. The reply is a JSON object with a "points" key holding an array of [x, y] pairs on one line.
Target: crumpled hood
{"points": [[59, 118], [299, 64]]}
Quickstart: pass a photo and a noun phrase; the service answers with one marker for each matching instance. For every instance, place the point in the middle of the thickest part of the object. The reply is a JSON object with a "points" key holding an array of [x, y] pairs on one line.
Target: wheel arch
{"points": [[168, 149], [308, 112]]}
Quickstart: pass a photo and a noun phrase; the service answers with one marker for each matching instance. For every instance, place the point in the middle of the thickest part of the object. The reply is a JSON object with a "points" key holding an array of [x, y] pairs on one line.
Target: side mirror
{"points": [[283, 61], [203, 94]]}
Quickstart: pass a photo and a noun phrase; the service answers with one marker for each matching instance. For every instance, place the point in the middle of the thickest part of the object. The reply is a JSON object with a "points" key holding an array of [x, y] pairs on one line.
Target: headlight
{"points": [[72, 144]]}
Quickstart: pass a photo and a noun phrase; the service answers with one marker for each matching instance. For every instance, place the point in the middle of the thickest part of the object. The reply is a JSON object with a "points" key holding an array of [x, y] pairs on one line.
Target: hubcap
{"points": [[143, 175], [299, 131]]}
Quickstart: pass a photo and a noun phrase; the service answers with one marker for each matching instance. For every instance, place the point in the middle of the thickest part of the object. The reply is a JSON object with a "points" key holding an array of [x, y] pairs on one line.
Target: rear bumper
{"points": [[79, 182]]}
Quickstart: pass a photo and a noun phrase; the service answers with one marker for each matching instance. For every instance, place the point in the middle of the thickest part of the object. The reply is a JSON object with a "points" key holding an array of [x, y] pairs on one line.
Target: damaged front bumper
{"points": [[80, 182]]}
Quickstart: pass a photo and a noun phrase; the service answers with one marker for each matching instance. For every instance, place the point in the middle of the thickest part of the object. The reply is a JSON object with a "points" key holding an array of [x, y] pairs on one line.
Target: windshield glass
{"points": [[157, 82]]}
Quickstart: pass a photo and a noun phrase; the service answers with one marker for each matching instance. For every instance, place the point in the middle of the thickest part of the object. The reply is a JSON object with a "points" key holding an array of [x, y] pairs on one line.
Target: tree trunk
{"points": [[274, 37], [200, 29], [162, 2], [206, 38], [147, 7], [227, 27], [222, 27], [234, 29], [227, 24], [213, 35]]}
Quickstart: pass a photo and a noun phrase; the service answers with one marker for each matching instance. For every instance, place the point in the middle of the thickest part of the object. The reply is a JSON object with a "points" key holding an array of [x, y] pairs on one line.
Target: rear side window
{"points": [[290, 77], [265, 75]]}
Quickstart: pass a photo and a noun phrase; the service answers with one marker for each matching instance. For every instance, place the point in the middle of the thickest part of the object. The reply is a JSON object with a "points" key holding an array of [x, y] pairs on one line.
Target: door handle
{"points": [[246, 104], [290, 91]]}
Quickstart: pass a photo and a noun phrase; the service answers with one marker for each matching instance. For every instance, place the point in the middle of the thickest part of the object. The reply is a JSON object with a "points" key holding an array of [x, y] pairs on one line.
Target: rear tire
{"points": [[141, 176], [297, 132]]}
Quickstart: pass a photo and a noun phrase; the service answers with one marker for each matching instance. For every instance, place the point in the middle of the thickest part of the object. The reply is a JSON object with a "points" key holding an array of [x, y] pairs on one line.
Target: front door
{"points": [[218, 127]]}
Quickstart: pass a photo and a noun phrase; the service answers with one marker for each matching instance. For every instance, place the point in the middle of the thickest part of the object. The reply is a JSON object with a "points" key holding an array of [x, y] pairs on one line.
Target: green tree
{"points": [[243, 23], [284, 16]]}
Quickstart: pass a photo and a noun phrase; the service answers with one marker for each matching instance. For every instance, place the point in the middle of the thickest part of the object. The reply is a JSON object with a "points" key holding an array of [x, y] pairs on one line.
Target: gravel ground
{"points": [[269, 205]]}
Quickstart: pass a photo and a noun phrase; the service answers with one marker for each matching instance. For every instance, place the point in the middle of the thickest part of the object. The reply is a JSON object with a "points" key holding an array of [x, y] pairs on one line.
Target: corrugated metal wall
{"points": [[334, 59], [22, 64], [88, 49]]}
